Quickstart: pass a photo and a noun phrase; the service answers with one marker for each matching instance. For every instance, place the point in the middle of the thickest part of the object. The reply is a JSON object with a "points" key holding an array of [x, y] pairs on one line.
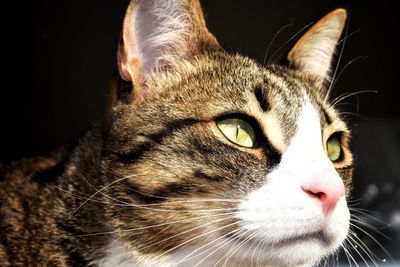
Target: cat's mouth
{"points": [[316, 237]]}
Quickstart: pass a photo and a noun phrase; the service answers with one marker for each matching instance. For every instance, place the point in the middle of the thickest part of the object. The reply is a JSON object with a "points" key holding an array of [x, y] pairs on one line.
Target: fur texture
{"points": [[156, 183]]}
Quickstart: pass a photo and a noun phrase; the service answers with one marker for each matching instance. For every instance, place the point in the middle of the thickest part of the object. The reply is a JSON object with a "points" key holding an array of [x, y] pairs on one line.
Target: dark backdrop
{"points": [[60, 55]]}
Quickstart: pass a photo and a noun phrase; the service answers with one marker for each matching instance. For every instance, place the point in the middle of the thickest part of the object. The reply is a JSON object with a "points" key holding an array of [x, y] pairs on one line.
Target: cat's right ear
{"points": [[157, 33], [314, 51]]}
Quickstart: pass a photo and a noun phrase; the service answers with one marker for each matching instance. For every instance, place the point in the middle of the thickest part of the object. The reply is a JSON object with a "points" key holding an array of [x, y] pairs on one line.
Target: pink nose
{"points": [[327, 193]]}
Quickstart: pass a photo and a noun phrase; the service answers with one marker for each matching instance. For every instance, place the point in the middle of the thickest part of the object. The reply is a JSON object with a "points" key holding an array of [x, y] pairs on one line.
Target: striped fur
{"points": [[143, 183]]}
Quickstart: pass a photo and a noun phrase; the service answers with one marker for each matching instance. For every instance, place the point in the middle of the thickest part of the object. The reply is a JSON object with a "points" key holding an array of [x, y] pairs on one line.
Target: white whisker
{"points": [[221, 244], [358, 252], [290, 39], [99, 191], [374, 239], [153, 226], [347, 95], [338, 63], [363, 247], [196, 237], [273, 39], [349, 254], [333, 83]]}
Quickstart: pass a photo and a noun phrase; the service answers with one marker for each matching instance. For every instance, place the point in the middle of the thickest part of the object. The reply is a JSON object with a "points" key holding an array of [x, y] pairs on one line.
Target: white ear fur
{"points": [[158, 32], [314, 51]]}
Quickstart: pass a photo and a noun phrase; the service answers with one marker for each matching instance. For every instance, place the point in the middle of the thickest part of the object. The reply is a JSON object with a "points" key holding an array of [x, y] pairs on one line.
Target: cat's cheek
{"points": [[338, 226]]}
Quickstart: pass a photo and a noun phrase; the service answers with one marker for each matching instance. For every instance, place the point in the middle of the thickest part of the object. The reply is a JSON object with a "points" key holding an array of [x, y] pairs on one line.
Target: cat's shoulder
{"points": [[30, 169], [21, 211]]}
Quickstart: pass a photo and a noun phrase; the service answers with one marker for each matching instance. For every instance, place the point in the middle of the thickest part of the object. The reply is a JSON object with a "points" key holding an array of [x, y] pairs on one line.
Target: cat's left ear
{"points": [[314, 51]]}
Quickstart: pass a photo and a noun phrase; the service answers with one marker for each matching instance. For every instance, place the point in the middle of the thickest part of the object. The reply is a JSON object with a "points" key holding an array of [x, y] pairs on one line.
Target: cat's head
{"points": [[215, 158]]}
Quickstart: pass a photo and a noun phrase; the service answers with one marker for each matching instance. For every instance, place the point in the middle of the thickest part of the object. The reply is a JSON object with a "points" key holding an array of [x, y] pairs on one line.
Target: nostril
{"points": [[318, 194], [327, 196]]}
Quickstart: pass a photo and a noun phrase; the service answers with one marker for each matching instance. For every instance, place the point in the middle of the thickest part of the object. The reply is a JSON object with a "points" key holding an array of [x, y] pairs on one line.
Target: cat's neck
{"points": [[79, 189]]}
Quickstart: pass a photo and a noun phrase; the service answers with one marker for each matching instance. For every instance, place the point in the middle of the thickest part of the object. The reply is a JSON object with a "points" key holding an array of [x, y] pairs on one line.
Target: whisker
{"points": [[182, 198], [188, 231], [236, 237], [348, 36], [333, 83], [262, 243], [364, 212], [187, 257], [358, 252], [338, 62], [273, 39], [353, 236], [349, 254], [126, 204], [196, 237], [347, 95], [353, 114], [234, 245], [374, 239], [146, 206], [241, 245], [155, 225], [76, 195], [221, 244], [336, 256], [99, 191], [353, 202], [347, 104], [249, 250], [290, 39], [369, 227], [345, 252]]}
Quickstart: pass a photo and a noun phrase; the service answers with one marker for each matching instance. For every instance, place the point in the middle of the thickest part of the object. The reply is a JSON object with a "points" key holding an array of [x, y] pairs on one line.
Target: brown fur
{"points": [[64, 210]]}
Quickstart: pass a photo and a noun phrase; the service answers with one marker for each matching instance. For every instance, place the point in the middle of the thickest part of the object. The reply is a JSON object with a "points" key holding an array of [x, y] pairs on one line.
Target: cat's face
{"points": [[226, 161]]}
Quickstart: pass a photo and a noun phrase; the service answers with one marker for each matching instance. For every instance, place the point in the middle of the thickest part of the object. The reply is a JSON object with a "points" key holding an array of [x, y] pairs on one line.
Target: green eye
{"points": [[333, 148], [238, 131]]}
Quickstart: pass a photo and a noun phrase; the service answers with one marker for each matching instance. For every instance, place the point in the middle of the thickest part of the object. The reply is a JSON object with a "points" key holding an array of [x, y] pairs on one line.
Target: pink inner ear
{"points": [[159, 33], [314, 51], [155, 31]]}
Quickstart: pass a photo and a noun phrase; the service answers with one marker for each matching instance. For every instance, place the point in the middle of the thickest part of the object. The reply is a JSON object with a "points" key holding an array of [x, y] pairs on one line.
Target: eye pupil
{"points": [[237, 131]]}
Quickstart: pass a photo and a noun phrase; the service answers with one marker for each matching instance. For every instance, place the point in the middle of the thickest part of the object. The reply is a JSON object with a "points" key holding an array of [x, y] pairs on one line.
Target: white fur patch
{"points": [[117, 256], [280, 210], [273, 215]]}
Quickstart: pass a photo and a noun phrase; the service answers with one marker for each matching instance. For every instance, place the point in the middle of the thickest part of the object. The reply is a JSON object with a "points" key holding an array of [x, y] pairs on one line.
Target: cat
{"points": [[203, 158]]}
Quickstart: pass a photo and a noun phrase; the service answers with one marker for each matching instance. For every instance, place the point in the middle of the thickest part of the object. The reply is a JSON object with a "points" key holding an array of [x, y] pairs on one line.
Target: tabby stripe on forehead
{"points": [[327, 118], [277, 78], [156, 138], [261, 98]]}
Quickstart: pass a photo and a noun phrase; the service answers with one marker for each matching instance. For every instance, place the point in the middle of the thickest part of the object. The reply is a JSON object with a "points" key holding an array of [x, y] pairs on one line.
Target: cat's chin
{"points": [[304, 250]]}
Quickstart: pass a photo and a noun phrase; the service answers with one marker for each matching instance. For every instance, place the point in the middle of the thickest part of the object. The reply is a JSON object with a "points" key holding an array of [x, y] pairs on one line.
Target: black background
{"points": [[59, 57]]}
